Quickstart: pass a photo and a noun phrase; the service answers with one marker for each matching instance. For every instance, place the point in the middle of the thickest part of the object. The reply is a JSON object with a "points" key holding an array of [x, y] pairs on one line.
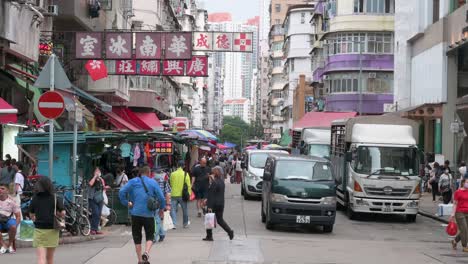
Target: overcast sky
{"points": [[241, 10]]}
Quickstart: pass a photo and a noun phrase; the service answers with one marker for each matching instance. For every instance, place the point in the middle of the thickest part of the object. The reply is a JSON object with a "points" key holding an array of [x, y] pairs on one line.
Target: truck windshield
{"points": [[258, 160], [386, 161], [319, 150], [303, 170]]}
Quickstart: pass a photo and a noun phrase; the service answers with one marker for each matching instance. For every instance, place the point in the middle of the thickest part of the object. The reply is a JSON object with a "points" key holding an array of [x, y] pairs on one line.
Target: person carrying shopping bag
{"points": [[161, 179], [215, 203], [460, 215]]}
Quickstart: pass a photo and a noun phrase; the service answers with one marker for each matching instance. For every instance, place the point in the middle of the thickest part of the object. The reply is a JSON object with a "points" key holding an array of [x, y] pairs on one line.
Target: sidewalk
{"points": [[429, 209]]}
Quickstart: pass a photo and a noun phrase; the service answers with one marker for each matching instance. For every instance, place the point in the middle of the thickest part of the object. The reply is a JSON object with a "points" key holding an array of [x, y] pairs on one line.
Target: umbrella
{"points": [[204, 133], [251, 147], [272, 146], [229, 144], [221, 146], [192, 134]]}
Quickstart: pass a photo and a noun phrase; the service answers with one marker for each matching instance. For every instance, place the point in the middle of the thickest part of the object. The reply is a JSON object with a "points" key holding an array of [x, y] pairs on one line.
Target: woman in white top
{"points": [[121, 179]]}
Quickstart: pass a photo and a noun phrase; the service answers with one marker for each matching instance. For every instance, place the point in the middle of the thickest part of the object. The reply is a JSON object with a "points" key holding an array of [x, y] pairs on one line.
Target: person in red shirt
{"points": [[460, 214]]}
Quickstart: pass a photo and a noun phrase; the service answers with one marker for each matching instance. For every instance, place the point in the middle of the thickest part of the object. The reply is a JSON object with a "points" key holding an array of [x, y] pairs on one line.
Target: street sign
{"points": [[456, 127], [60, 78], [51, 105]]}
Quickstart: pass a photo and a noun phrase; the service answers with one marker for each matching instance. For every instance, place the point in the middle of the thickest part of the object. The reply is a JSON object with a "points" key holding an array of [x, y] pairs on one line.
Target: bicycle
{"points": [[76, 218]]}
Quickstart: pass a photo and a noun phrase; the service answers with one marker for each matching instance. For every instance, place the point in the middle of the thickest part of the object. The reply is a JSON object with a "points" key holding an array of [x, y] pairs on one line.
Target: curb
{"points": [[432, 216], [62, 241]]}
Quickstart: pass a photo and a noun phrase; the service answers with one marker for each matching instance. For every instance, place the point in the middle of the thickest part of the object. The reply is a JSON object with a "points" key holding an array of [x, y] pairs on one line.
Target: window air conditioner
{"points": [[52, 10]]}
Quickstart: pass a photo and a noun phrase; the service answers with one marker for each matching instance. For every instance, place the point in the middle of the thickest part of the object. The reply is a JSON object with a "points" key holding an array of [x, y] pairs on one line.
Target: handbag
{"points": [[185, 192], [98, 196], [4, 219], [452, 229], [59, 223], [152, 203]]}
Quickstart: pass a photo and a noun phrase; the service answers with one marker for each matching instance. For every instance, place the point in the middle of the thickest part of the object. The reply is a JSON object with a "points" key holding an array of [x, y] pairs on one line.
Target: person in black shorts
{"points": [[135, 195], [200, 183]]}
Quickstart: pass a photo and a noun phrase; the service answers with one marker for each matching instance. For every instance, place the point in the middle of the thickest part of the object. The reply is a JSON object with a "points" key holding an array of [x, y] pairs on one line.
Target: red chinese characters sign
{"points": [[119, 45], [178, 46], [163, 147], [202, 41], [198, 66], [173, 68], [150, 67], [125, 67], [88, 45], [222, 41], [243, 42], [148, 46]]}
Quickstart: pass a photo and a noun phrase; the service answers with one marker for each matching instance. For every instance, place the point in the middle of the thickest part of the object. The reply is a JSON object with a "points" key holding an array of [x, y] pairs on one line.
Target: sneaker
{"points": [[207, 239], [3, 250], [187, 225], [11, 250], [145, 257], [454, 244], [161, 238], [199, 214]]}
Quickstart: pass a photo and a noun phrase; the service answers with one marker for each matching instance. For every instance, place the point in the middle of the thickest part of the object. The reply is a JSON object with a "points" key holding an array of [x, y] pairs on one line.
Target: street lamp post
{"points": [[360, 78]]}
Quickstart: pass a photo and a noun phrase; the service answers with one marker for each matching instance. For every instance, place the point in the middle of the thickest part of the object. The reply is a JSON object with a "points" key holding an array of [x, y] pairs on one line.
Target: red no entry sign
{"points": [[51, 105]]}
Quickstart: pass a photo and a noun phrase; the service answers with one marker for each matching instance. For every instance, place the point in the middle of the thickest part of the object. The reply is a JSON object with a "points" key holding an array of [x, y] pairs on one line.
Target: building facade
{"points": [[431, 81], [237, 107], [358, 48]]}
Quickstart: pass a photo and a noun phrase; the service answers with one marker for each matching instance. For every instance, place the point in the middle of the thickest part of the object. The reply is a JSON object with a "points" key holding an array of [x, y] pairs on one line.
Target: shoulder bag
{"points": [[185, 192], [152, 203], [59, 223]]}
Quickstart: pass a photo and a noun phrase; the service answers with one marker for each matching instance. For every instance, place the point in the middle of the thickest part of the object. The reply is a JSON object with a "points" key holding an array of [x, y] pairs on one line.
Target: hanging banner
{"points": [[198, 66], [148, 46], [243, 42], [178, 46]]}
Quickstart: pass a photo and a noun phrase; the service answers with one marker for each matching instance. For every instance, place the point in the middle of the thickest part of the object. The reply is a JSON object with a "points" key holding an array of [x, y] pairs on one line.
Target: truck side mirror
{"points": [[349, 156]]}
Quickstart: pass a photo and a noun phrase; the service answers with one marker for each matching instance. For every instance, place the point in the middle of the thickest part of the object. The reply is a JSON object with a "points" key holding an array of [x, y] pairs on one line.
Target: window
{"points": [[379, 82], [292, 65], [374, 6], [374, 43], [278, 8], [302, 18], [277, 63]]}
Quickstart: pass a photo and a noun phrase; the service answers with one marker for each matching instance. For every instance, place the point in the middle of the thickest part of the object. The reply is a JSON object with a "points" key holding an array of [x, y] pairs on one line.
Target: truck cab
{"points": [[312, 141], [376, 165]]}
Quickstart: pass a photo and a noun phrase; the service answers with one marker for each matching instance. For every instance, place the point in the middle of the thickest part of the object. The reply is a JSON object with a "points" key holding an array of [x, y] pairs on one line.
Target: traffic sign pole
{"points": [[51, 121]]}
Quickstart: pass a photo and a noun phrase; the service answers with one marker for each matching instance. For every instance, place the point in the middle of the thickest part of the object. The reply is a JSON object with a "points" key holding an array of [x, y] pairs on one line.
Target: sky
{"points": [[241, 10]]}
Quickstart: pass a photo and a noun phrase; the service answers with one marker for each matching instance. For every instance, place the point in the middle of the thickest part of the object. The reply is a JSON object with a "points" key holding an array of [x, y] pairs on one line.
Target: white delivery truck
{"points": [[312, 141], [375, 161]]}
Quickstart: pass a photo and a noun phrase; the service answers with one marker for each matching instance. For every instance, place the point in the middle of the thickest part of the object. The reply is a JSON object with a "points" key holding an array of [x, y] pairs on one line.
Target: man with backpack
{"points": [[445, 186], [144, 197], [180, 183]]}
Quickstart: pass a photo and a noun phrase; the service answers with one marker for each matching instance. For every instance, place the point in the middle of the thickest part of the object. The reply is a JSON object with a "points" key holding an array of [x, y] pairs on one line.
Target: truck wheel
{"points": [[349, 211], [268, 224], [263, 215], [411, 218], [328, 228]]}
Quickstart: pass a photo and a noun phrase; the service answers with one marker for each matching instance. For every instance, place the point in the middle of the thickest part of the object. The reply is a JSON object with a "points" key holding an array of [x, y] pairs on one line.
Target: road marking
{"points": [[50, 105], [247, 250]]}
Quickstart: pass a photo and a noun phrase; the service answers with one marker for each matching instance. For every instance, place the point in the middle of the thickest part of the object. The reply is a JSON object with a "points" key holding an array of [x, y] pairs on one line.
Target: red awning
{"points": [[151, 119], [129, 116], [7, 113], [119, 122], [321, 119]]}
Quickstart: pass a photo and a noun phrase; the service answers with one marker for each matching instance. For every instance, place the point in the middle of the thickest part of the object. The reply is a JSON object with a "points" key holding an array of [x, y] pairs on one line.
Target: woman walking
{"points": [[96, 200], [215, 203], [460, 215], [44, 206], [434, 181]]}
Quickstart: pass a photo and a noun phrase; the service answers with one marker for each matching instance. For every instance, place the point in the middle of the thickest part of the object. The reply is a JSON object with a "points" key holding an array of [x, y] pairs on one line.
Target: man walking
{"points": [[135, 194], [200, 183], [177, 180], [161, 179], [8, 208]]}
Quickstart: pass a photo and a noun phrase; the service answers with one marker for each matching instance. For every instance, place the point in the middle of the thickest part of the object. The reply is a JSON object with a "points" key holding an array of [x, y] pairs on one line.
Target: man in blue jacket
{"points": [[134, 196]]}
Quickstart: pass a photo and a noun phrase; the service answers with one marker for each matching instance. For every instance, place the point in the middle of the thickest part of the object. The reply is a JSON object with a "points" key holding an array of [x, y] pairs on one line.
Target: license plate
{"points": [[387, 209], [302, 219]]}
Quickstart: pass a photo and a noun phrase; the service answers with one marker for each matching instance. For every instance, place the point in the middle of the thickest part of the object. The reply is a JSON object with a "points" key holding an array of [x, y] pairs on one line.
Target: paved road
{"points": [[369, 240]]}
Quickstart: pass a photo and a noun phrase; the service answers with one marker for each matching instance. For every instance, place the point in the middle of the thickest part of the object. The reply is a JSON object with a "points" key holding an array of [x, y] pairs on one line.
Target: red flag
{"points": [[97, 69]]}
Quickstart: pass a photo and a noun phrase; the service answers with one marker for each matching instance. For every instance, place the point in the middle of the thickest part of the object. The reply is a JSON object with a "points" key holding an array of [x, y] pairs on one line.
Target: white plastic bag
{"points": [[105, 211], [106, 200], [209, 221], [167, 221]]}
